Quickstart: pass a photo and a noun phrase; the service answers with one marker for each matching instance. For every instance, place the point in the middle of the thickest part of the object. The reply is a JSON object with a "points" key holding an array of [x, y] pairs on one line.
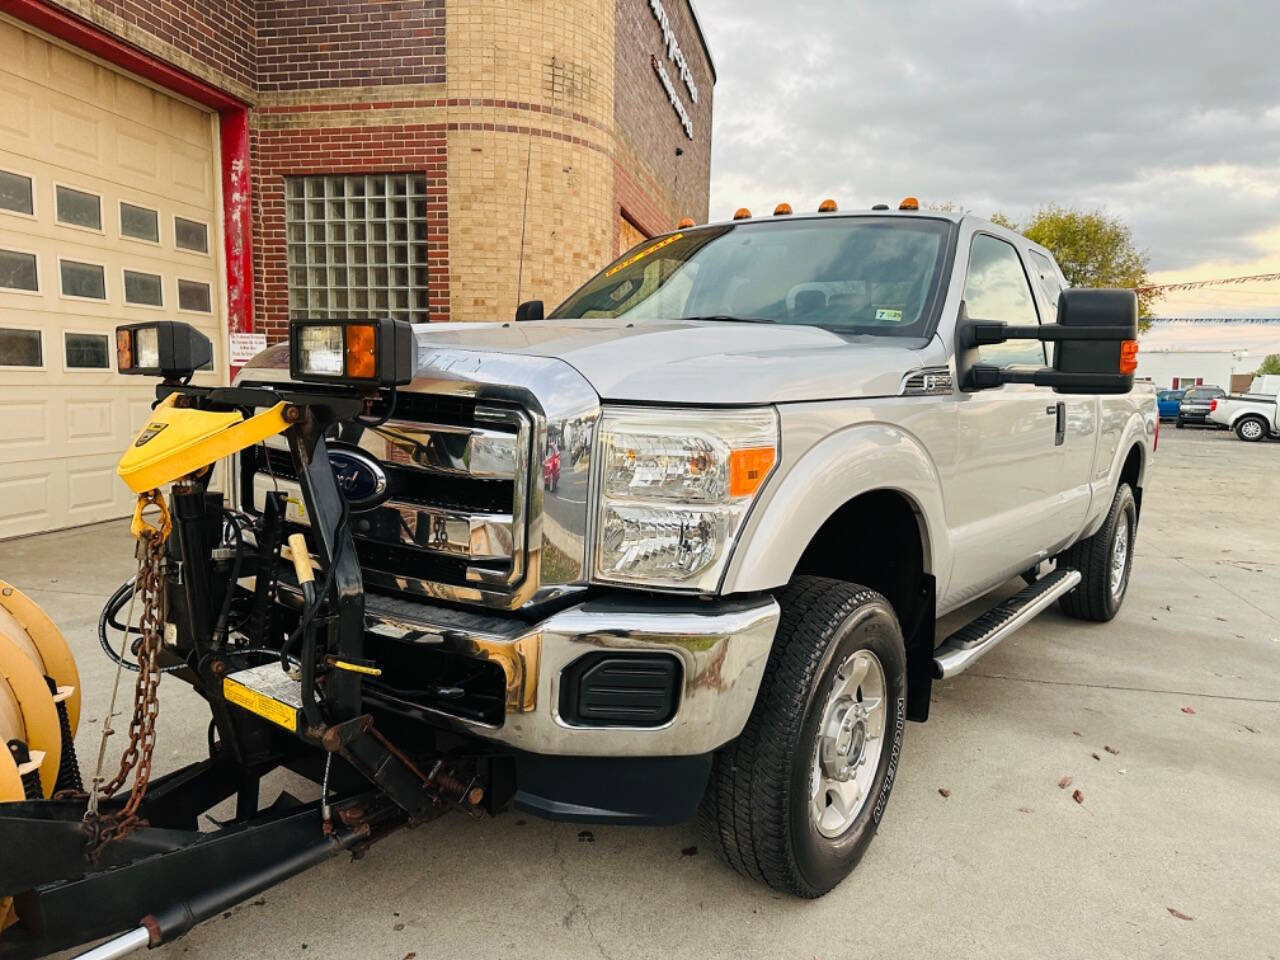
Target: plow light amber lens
{"points": [[1128, 356], [362, 351], [124, 349], [748, 469]]}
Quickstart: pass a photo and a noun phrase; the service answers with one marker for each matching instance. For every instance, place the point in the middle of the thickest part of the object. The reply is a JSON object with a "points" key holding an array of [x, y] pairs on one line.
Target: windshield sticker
{"points": [[886, 313], [642, 254]]}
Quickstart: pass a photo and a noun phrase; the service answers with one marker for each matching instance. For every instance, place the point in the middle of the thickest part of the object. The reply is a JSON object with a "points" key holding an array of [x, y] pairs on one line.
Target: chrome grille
{"points": [[454, 511]]}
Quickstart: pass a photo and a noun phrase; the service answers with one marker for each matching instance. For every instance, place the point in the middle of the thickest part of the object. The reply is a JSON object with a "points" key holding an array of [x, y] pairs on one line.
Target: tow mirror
{"points": [[1096, 350], [529, 310]]}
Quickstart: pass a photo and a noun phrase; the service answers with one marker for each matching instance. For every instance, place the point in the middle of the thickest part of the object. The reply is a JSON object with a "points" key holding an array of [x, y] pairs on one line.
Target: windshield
{"points": [[871, 275]]}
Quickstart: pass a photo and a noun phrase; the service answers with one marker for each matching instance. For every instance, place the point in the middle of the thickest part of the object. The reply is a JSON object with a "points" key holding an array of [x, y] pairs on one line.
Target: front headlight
{"points": [[675, 489]]}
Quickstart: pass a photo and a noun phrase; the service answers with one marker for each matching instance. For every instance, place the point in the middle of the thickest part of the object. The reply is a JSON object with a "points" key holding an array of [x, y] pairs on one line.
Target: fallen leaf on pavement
{"points": [[689, 851], [1076, 733], [410, 956], [1077, 796], [1025, 810], [1111, 750], [943, 791], [1095, 756], [1190, 710], [1064, 783], [1178, 913]]}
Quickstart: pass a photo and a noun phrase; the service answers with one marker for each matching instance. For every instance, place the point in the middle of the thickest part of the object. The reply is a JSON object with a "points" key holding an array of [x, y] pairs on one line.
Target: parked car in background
{"points": [[551, 468], [1195, 404], [1253, 416], [1169, 401]]}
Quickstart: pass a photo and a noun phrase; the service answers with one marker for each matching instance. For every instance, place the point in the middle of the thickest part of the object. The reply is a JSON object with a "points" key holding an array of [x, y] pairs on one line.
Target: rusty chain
{"points": [[137, 756]]}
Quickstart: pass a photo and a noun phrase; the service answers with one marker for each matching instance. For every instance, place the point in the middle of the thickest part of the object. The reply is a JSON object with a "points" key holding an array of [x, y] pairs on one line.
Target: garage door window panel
{"points": [[86, 351], [82, 281], [143, 289], [19, 271], [21, 349], [191, 236], [78, 208], [194, 296], [139, 223], [17, 193], [997, 291]]}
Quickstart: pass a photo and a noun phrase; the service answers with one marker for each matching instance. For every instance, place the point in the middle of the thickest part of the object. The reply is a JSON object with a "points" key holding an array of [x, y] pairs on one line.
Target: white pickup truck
{"points": [[681, 544], [1253, 416]]}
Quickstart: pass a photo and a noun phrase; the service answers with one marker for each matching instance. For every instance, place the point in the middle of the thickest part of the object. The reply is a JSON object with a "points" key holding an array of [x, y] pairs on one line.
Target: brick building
{"points": [[235, 162]]}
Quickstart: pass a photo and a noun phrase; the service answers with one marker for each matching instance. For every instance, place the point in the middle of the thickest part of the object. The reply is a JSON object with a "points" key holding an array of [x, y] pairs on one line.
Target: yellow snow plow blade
{"points": [[29, 712], [177, 441], [23, 622]]}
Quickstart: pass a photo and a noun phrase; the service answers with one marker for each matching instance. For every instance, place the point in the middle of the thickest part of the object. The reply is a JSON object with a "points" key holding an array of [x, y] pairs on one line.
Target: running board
{"points": [[968, 644]]}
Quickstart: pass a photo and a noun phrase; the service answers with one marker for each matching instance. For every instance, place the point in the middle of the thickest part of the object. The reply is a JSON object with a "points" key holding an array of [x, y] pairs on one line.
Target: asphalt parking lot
{"points": [[1167, 722]]}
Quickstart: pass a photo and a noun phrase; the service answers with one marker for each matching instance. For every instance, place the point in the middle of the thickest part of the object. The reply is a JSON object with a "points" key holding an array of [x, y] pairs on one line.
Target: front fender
{"points": [[851, 461]]}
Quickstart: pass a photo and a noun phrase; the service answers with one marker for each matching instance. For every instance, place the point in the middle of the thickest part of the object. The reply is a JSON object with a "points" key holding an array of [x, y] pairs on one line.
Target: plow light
{"points": [[358, 352], [162, 348]]}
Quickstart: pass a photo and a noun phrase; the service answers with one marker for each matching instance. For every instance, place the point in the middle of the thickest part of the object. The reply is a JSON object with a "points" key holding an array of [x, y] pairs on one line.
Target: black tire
{"points": [[1180, 423], [1263, 429], [755, 813], [1094, 599]]}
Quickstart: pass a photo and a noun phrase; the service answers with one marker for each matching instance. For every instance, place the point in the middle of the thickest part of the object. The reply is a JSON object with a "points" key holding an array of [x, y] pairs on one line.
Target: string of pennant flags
{"points": [[1197, 284]]}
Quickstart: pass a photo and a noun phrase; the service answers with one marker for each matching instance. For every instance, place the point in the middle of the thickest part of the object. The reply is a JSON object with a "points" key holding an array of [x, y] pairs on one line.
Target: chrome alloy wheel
{"points": [[1119, 557], [1251, 430], [850, 741]]}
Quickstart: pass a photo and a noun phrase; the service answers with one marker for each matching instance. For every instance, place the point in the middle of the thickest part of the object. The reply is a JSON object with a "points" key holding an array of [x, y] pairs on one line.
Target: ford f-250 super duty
{"points": [[784, 447]]}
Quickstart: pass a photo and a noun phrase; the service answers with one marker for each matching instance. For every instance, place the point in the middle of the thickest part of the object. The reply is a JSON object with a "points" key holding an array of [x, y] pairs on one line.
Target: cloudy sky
{"points": [[1165, 113]]}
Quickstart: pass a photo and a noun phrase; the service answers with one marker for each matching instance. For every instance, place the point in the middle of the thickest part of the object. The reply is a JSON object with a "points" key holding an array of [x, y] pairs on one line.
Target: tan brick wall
{"points": [[530, 85]]}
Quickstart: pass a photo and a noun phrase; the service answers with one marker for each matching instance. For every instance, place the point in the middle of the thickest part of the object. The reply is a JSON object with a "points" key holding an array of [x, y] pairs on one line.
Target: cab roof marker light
{"points": [[782, 210], [827, 206], [685, 223], [742, 213], [909, 203]]}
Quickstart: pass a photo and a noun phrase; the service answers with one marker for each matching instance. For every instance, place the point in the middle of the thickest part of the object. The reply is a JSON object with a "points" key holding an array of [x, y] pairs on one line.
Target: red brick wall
{"points": [[221, 34], [306, 44], [647, 123], [409, 148]]}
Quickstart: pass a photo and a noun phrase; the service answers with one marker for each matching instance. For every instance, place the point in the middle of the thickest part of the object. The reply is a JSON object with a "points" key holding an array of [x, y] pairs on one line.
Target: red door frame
{"points": [[234, 114]]}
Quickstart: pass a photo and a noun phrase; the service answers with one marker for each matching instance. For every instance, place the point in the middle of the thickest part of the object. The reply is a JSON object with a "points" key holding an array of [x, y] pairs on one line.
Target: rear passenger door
{"points": [[1006, 505]]}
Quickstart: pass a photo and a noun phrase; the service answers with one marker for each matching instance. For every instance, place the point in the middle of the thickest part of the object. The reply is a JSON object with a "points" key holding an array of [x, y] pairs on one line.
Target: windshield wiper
{"points": [[725, 318]]}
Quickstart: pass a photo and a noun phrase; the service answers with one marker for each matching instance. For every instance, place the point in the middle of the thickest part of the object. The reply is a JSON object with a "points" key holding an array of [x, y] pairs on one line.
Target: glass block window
{"points": [[358, 246], [140, 223], [16, 193], [83, 280], [18, 270], [79, 209], [20, 348], [87, 351], [194, 295], [190, 235], [146, 289]]}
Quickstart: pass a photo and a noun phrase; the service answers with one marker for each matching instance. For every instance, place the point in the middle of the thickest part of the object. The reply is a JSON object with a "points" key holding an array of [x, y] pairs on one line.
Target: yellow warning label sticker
{"points": [[281, 714]]}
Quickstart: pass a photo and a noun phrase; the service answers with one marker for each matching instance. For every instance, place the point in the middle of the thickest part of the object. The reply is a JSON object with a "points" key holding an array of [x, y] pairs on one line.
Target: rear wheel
{"points": [[1104, 561], [796, 799], [1252, 429], [1180, 423]]}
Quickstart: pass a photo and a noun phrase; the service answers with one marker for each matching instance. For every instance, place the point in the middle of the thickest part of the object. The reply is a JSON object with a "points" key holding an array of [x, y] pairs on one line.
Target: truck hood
{"points": [[699, 362]]}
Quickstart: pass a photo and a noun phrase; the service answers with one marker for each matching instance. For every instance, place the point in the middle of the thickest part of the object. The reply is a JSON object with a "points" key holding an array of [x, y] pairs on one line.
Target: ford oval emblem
{"points": [[360, 478]]}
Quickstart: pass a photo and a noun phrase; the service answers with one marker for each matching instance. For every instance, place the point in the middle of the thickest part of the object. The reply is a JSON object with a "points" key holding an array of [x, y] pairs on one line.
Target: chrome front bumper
{"points": [[722, 645]]}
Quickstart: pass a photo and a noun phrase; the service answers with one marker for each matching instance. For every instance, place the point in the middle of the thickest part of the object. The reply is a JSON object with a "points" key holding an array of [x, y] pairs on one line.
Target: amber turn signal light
{"points": [[748, 469], [1128, 356]]}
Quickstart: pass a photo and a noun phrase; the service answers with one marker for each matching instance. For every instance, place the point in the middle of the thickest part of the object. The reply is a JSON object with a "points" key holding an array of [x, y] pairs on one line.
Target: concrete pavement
{"points": [[1179, 814]]}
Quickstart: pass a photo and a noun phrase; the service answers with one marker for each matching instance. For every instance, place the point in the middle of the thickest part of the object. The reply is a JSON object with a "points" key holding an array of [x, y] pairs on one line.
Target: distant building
{"points": [[1188, 368]]}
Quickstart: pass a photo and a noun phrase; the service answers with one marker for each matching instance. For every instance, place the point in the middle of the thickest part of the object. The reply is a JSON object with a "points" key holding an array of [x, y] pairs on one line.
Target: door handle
{"points": [[1059, 411]]}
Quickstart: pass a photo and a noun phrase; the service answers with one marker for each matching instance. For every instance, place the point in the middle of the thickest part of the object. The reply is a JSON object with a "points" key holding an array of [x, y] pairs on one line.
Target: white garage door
{"points": [[108, 200]]}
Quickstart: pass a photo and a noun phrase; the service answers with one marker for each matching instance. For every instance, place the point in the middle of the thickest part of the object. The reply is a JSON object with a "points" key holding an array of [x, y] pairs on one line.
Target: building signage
{"points": [[245, 346], [674, 53], [673, 96]]}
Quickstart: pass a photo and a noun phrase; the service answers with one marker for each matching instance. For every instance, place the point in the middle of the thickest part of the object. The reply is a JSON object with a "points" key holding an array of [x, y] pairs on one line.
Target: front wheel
{"points": [[1252, 429], [1104, 561], [796, 799], [1180, 423]]}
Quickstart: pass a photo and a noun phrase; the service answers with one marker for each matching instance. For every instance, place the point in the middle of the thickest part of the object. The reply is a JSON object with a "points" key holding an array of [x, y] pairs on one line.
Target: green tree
{"points": [[1092, 248], [1270, 364]]}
